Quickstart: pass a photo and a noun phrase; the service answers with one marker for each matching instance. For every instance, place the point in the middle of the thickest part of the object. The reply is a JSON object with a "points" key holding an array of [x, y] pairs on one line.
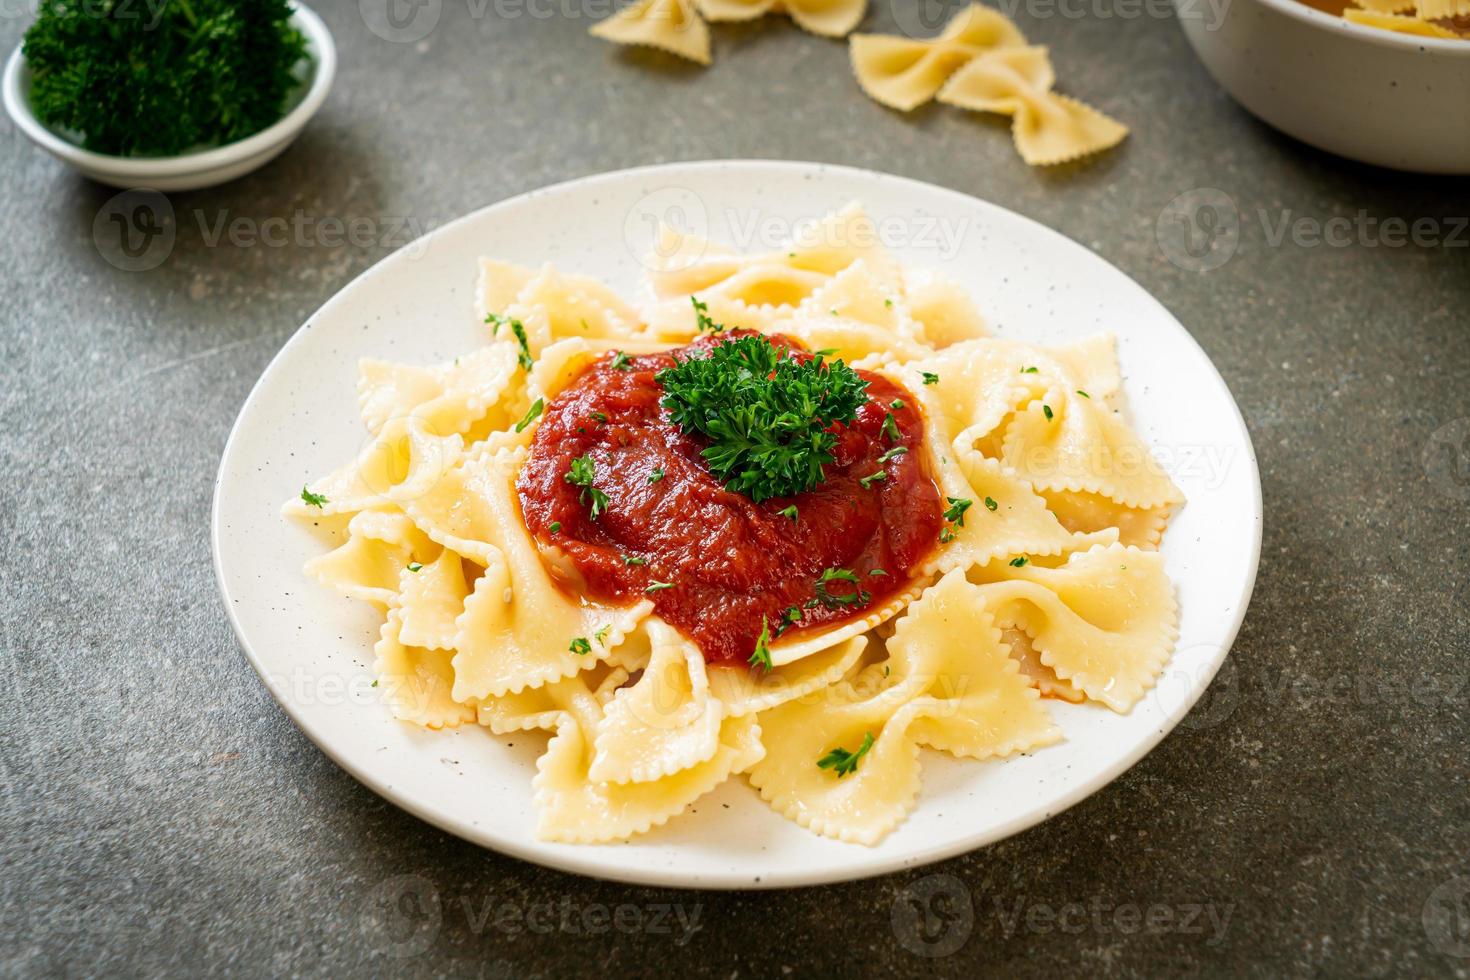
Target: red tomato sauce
{"points": [[731, 561]]}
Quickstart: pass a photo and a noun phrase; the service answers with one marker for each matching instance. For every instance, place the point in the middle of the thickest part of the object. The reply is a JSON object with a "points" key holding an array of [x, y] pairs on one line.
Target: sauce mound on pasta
{"points": [[715, 563]]}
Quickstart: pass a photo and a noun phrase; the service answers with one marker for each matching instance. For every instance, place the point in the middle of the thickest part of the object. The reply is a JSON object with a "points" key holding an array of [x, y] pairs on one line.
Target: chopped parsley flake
{"points": [[599, 416], [1018, 562], [582, 473], [494, 319], [524, 357], [554, 527], [657, 586], [858, 597], [1046, 410], [601, 635], [893, 453], [414, 566], [888, 303], [1083, 393], [656, 475], [580, 646], [990, 504], [789, 618], [634, 560], [947, 535], [314, 499], [766, 415], [762, 655], [957, 508], [621, 361], [930, 378], [702, 317], [789, 513], [841, 761], [873, 478], [877, 573], [896, 404], [1028, 370], [890, 427], [531, 414]]}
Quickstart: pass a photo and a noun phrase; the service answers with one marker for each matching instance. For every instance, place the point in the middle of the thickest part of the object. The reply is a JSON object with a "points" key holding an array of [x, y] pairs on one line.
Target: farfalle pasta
{"points": [[905, 73], [915, 536]]}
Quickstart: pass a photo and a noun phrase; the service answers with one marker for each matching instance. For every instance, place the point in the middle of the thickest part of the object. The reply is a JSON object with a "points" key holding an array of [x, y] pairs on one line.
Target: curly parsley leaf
{"points": [[314, 499], [834, 600], [766, 415], [762, 655], [582, 473], [580, 646], [841, 761]]}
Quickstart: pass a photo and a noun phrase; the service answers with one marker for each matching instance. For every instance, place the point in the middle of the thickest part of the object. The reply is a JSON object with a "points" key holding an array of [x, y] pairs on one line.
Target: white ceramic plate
{"points": [[314, 648]]}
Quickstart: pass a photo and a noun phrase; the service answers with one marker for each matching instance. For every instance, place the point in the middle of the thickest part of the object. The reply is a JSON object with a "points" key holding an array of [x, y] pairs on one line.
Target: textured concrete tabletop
{"points": [[159, 814]]}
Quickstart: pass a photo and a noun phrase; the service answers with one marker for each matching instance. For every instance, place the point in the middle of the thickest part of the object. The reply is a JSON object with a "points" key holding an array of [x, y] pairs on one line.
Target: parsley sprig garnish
{"points": [[762, 655], [531, 415], [582, 473], [834, 600], [767, 415], [702, 317], [523, 356], [841, 761], [314, 499]]}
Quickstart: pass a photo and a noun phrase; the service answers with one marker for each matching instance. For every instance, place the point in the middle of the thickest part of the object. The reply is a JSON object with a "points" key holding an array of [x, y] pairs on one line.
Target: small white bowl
{"points": [[1371, 95], [188, 171]]}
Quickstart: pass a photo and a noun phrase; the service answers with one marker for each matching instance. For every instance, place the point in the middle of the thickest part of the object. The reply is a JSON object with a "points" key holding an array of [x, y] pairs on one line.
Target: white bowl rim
{"points": [[144, 168], [1375, 35]]}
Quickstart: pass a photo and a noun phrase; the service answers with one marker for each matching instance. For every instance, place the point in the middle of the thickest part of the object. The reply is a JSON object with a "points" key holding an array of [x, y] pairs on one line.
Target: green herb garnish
{"points": [[990, 504], [1018, 562], [896, 404], [1083, 393], [873, 478], [790, 513], [621, 361], [158, 79], [531, 414], [580, 646], [656, 475], [634, 560], [414, 566], [702, 317], [841, 761], [599, 416], [766, 415], [601, 635], [930, 378], [658, 586], [762, 655], [314, 499], [1046, 410], [893, 453], [957, 508], [947, 535], [877, 573], [789, 618], [582, 473], [858, 597], [1028, 370], [554, 527], [890, 427]]}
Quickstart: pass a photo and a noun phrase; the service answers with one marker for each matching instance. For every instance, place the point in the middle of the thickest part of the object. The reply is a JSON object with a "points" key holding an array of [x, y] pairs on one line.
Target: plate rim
{"points": [[569, 861]]}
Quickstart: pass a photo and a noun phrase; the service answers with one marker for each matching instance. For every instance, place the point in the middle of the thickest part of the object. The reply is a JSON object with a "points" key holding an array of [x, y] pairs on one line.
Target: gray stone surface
{"points": [[160, 814]]}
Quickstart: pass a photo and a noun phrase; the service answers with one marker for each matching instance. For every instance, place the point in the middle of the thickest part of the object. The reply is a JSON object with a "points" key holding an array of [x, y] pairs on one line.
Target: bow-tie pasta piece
{"points": [[403, 461], [664, 723], [1038, 674], [1047, 128], [943, 309], [905, 73], [671, 25], [1105, 621], [430, 599], [830, 18], [1062, 441], [449, 398], [575, 808], [1083, 513], [499, 285], [417, 683], [379, 545], [949, 683], [518, 628], [743, 691]]}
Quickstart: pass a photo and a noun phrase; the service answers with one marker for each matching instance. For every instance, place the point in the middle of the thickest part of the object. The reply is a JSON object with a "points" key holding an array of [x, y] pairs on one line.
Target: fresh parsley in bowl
{"points": [[172, 95], [160, 80]]}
